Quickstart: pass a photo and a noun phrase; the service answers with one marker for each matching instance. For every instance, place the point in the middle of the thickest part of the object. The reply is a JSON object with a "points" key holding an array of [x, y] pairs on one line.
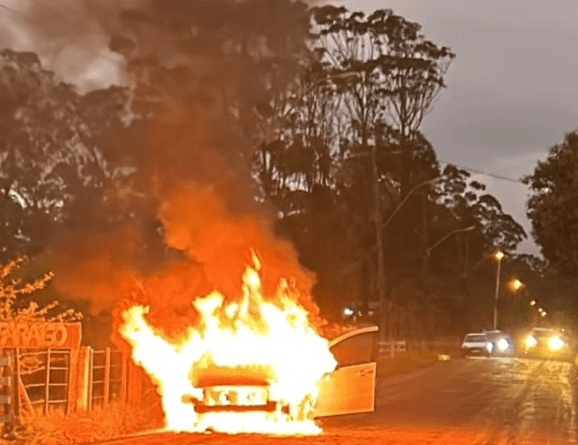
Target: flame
{"points": [[247, 346]]}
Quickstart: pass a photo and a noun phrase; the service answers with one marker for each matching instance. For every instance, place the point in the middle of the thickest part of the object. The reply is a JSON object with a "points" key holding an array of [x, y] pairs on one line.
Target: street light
{"points": [[544, 313], [498, 256], [409, 194], [533, 303], [515, 285], [466, 229]]}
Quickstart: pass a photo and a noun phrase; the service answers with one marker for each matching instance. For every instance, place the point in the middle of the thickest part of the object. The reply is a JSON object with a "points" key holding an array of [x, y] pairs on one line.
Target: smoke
{"points": [[71, 37], [220, 59]]}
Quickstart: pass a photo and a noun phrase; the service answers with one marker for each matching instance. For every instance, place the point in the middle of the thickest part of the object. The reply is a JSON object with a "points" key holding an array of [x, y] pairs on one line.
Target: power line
{"points": [[492, 175]]}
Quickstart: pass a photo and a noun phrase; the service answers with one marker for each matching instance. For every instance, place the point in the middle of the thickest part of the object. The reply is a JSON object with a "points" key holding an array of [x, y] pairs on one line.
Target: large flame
{"points": [[252, 346]]}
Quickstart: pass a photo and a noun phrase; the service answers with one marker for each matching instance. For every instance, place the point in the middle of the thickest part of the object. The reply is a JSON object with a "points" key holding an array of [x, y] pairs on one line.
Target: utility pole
{"points": [[499, 255], [379, 246], [425, 234]]}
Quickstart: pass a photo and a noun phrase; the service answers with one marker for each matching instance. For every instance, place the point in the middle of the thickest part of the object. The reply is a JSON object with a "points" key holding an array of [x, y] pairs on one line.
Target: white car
{"points": [[347, 390], [477, 344]]}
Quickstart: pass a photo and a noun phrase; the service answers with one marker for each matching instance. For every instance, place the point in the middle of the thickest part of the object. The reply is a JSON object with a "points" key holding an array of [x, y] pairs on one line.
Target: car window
{"points": [[355, 350], [541, 333], [475, 338]]}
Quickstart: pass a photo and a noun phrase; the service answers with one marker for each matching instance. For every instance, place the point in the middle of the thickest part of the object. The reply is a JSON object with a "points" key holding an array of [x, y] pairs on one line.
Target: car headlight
{"points": [[503, 344], [489, 346], [555, 343], [530, 341]]}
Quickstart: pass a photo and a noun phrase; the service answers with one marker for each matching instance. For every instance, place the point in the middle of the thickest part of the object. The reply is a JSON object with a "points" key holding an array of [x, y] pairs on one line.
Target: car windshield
{"points": [[475, 338], [541, 333]]}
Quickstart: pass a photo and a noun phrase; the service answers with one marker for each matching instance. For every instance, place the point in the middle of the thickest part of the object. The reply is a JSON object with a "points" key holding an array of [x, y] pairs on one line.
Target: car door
{"points": [[351, 387]]}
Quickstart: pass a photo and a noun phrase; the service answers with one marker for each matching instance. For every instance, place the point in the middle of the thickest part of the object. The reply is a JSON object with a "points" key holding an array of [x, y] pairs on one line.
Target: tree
{"points": [[399, 73], [552, 206], [356, 109], [15, 304], [50, 162]]}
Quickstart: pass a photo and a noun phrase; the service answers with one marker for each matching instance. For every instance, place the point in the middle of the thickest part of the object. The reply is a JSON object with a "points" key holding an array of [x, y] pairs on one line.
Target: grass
{"points": [[56, 428], [405, 362]]}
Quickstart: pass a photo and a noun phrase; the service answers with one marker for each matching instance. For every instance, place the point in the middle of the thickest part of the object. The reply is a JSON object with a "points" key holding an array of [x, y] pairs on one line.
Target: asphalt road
{"points": [[471, 401]]}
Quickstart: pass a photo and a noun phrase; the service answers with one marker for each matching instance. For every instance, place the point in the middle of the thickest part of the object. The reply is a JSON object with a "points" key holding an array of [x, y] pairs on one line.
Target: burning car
{"points": [[347, 390], [254, 365]]}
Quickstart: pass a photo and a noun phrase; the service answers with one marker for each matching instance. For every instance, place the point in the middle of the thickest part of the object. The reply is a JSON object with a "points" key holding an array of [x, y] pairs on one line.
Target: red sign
{"points": [[39, 335]]}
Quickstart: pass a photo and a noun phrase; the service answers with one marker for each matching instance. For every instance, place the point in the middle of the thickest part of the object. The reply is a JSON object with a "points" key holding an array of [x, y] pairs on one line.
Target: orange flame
{"points": [[239, 352]]}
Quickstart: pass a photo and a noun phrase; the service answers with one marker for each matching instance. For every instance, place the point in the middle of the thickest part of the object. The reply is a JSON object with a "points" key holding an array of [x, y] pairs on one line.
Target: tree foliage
{"points": [[15, 304], [552, 207], [49, 162]]}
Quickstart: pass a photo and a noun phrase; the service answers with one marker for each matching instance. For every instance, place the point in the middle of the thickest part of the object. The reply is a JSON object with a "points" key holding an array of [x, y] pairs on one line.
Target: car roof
{"points": [[352, 334], [476, 333]]}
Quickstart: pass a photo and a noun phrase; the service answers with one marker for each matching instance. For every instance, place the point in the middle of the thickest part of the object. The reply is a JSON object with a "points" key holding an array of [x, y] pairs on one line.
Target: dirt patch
{"points": [[406, 362]]}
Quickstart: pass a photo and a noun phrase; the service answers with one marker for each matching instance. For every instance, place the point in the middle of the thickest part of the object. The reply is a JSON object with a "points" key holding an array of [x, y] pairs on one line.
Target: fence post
{"points": [[90, 377], [7, 398], [15, 383], [73, 378], [123, 376], [47, 382], [106, 383], [83, 378]]}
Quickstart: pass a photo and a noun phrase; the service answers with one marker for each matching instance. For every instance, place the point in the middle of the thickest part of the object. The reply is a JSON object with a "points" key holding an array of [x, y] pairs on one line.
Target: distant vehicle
{"points": [[549, 344], [502, 343], [477, 344]]}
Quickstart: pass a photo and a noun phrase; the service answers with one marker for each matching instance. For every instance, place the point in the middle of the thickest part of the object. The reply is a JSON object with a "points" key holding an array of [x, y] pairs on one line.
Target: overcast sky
{"points": [[512, 89]]}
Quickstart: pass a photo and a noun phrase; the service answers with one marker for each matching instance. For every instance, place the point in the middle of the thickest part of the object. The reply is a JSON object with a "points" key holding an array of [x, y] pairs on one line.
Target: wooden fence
{"points": [[43, 378], [108, 377], [67, 380]]}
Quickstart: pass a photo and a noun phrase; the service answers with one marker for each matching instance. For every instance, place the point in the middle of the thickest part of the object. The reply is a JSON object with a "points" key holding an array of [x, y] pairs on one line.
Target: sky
{"points": [[511, 90]]}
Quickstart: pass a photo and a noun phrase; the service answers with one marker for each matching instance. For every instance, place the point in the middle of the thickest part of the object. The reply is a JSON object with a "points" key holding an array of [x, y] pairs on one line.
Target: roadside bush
{"points": [[57, 428]]}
